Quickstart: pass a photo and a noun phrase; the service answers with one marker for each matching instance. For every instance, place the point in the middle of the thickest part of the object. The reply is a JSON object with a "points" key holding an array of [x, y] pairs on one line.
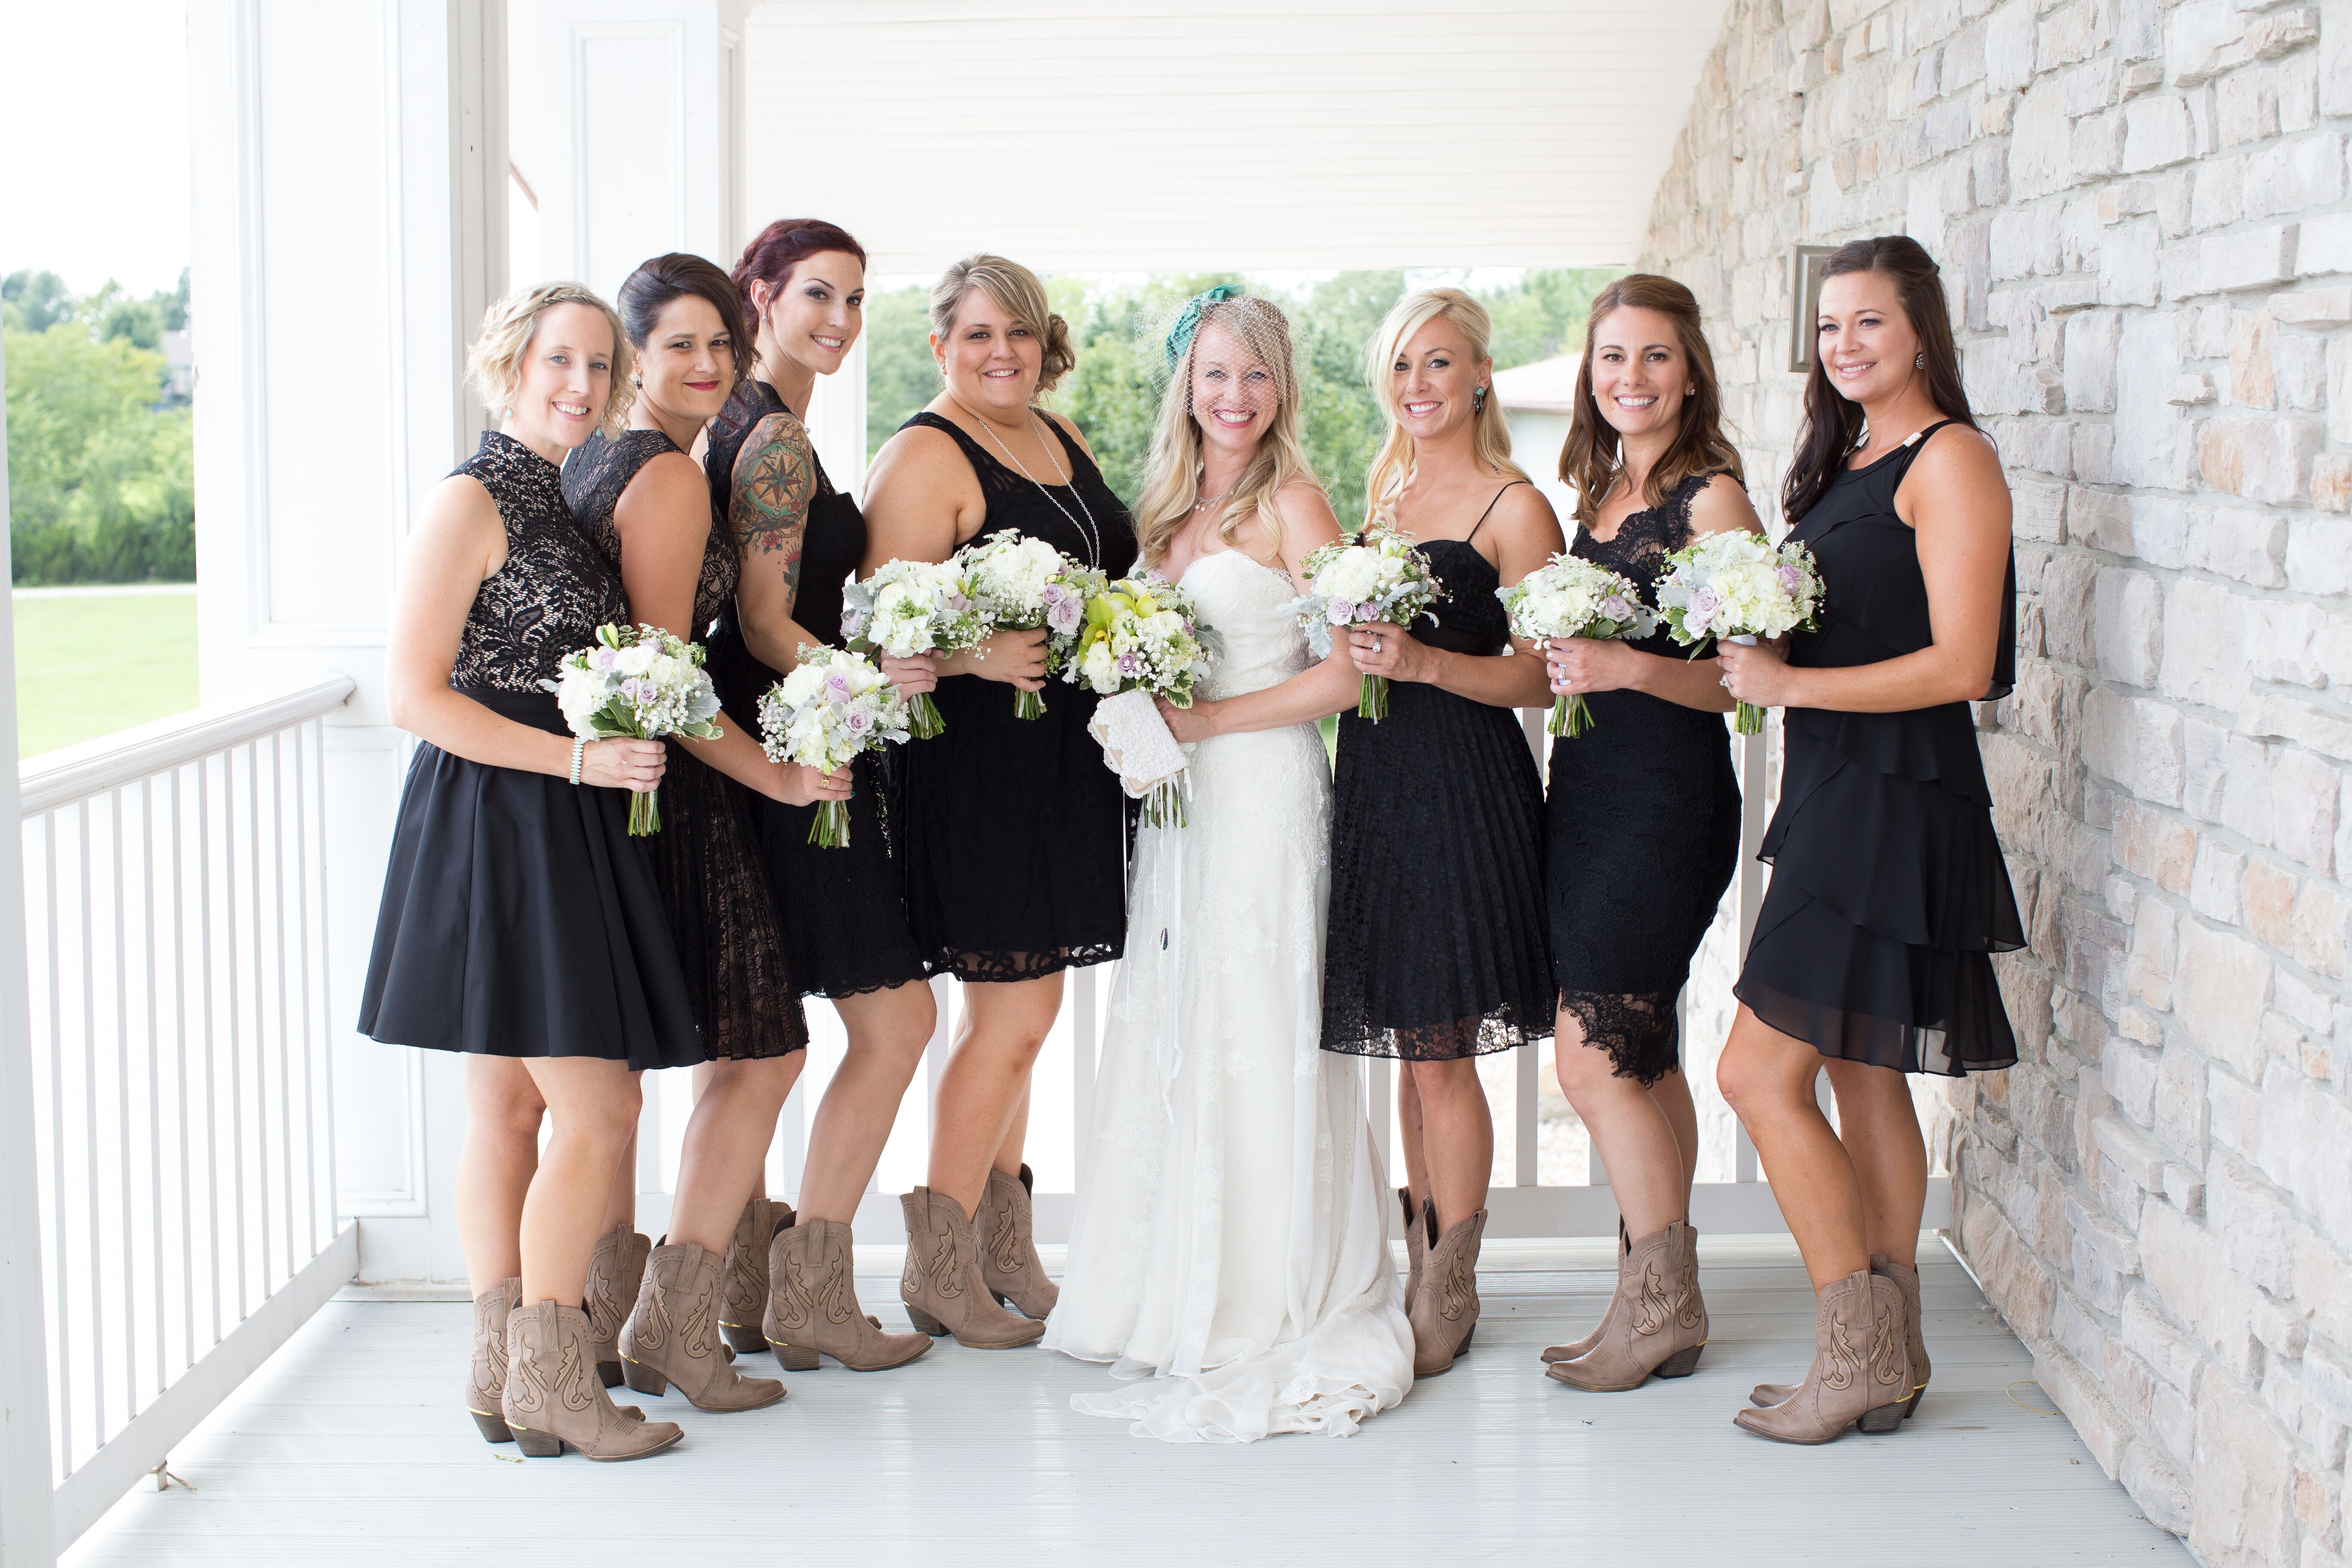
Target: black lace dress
{"points": [[1889, 893], [1016, 831], [845, 912], [1641, 830], [519, 917], [1436, 946], [721, 911]]}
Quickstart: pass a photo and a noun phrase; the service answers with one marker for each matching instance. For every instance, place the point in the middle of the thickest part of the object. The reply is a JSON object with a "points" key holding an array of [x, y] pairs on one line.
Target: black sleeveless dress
{"points": [[1888, 890], [845, 912], [1016, 831], [519, 917], [1435, 948], [721, 912], [1641, 830]]}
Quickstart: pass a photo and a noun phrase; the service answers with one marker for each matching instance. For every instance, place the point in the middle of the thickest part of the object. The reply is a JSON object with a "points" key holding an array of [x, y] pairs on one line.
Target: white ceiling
{"points": [[1110, 135]]}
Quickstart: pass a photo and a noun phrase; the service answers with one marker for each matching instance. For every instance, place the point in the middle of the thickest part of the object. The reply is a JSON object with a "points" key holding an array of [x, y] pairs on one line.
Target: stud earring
{"points": [[1919, 361]]}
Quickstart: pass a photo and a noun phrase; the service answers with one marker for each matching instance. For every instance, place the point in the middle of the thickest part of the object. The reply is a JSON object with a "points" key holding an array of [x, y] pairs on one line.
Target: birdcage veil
{"points": [[1170, 339]]}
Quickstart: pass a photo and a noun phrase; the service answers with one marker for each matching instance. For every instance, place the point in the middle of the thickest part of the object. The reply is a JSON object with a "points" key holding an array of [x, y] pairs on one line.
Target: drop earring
{"points": [[1477, 399]]}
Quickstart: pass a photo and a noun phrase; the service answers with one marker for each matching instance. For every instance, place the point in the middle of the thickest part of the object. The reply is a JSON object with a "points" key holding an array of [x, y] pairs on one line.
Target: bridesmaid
{"points": [[1015, 832], [520, 923], [1642, 815], [1436, 952], [1888, 893], [644, 504], [802, 287]]}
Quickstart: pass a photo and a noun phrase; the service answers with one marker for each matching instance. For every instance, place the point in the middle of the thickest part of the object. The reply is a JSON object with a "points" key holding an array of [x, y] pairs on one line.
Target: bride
{"points": [[1230, 1243]]}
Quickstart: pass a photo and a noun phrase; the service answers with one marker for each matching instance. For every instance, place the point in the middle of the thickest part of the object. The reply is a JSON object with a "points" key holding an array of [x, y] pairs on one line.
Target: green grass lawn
{"points": [[90, 665]]}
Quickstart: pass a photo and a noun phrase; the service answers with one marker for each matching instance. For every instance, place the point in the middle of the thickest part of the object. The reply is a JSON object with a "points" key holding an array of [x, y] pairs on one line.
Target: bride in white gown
{"points": [[1230, 1243]]}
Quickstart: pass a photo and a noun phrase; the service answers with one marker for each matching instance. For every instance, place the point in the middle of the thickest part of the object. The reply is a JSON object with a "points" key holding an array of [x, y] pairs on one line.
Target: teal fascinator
{"points": [[1188, 320]]}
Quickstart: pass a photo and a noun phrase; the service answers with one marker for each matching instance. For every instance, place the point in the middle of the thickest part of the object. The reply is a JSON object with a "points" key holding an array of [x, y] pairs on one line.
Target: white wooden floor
{"points": [[349, 1447]]}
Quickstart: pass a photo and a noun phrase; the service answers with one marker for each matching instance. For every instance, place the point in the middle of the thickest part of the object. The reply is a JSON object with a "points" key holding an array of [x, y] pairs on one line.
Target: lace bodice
{"points": [[1257, 645], [553, 591], [1639, 548], [592, 482]]}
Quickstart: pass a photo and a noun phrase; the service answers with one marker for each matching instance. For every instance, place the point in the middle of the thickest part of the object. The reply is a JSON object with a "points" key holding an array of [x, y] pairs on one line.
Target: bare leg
{"points": [[591, 1105], [1879, 1127], [727, 1143], [1672, 1092], [621, 1204], [1408, 1136], [1457, 1137], [1768, 1077], [997, 1040], [887, 1031], [1630, 1130], [495, 1166], [1016, 1136]]}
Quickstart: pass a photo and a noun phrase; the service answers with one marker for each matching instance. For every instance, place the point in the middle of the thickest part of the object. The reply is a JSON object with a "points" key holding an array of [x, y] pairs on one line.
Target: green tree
{"points": [[34, 301], [900, 375], [100, 483]]}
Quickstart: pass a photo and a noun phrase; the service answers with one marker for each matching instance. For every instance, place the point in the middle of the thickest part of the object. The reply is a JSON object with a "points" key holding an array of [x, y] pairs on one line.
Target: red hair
{"points": [[783, 246]]}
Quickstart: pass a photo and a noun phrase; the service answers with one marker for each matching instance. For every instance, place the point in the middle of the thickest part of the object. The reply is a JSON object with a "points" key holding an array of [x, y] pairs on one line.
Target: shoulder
{"points": [[1070, 426], [1307, 520], [669, 479], [460, 501], [1720, 505], [1956, 452], [780, 428], [921, 453], [1524, 512]]}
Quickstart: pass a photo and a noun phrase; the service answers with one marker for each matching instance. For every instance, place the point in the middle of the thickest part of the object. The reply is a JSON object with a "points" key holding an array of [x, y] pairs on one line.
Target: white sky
{"points": [[94, 124]]}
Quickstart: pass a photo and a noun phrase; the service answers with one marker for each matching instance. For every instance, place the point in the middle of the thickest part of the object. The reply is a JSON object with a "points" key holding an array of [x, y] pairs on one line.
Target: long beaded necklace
{"points": [[1087, 530]]}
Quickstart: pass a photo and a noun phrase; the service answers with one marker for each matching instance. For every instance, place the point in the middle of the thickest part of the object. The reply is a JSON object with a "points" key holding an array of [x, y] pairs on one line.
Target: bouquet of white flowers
{"points": [[641, 683], [1566, 597], [1142, 638], [1377, 575], [1737, 586], [833, 705], [1020, 583], [912, 607]]}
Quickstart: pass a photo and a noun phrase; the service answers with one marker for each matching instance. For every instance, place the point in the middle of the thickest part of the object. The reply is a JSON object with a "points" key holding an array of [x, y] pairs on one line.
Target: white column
{"points": [[348, 197]]}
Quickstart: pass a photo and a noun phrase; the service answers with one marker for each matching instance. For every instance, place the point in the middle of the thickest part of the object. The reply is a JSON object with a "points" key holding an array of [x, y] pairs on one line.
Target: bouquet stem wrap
{"points": [[1149, 760], [1747, 719], [831, 828]]}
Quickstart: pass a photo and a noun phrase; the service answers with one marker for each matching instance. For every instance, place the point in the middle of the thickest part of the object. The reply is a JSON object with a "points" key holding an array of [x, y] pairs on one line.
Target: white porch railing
{"points": [[176, 954]]}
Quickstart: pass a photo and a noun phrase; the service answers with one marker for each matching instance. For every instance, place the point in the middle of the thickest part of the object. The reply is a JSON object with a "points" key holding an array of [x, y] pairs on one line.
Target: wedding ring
{"points": [[1376, 642]]}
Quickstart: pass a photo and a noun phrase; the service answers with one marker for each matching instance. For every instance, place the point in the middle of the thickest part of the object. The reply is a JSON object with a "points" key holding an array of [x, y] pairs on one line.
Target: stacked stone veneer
{"points": [[2141, 211]]}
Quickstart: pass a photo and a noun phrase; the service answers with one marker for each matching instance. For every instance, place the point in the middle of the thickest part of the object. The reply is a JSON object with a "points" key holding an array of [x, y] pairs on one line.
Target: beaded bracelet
{"points": [[579, 745]]}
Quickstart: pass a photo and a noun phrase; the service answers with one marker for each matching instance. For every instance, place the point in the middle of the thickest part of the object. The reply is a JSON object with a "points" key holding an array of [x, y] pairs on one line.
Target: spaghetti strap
{"points": [[1490, 509]]}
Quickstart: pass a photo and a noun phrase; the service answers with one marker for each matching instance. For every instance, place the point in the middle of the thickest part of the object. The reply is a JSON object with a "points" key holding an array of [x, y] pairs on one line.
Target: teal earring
{"points": [[1477, 399]]}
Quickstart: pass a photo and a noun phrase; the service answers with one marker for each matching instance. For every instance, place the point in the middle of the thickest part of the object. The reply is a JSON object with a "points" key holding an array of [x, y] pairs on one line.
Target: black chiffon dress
{"points": [[519, 917], [1436, 947], [721, 911], [1888, 893], [1641, 830], [1016, 831], [845, 909]]}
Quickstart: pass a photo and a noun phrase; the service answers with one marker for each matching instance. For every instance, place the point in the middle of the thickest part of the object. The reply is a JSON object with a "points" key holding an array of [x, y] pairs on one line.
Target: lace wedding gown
{"points": [[1230, 1243]]}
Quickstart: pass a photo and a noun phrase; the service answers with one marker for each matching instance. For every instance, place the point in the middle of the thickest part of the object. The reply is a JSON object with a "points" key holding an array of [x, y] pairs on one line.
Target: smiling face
{"points": [[566, 376], [1865, 342], [990, 357], [814, 317], [686, 367], [1235, 393], [1433, 379], [1640, 376]]}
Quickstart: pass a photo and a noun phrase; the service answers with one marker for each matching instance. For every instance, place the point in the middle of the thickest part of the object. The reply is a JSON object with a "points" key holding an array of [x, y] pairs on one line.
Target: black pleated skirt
{"points": [[519, 919]]}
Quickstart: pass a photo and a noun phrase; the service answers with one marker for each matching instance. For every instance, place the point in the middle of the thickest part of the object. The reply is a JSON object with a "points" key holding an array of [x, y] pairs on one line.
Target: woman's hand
{"points": [[624, 764], [1017, 658], [913, 675], [1197, 722], [1758, 676], [1381, 649], [1579, 665], [798, 784]]}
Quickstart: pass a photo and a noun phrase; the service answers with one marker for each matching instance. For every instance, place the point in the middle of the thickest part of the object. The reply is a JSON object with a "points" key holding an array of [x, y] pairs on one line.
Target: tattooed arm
{"points": [[774, 481]]}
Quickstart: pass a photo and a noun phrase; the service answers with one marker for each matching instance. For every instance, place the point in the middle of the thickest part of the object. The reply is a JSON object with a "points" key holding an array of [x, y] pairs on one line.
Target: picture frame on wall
{"points": [[1805, 264]]}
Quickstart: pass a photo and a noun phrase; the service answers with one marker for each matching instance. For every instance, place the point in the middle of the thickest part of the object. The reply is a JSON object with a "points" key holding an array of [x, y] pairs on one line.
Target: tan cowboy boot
{"points": [[1420, 1224], [1008, 1246], [616, 1269], [1861, 1371], [941, 1286], [672, 1337], [1446, 1314], [485, 1375], [1655, 1323], [1575, 1348], [552, 1398], [743, 1275], [1906, 1280], [813, 1304]]}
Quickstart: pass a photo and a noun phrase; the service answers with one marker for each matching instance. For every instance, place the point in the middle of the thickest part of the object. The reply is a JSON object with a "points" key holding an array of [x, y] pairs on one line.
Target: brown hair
{"points": [[783, 246], [1019, 294], [1591, 459], [1833, 423], [655, 285]]}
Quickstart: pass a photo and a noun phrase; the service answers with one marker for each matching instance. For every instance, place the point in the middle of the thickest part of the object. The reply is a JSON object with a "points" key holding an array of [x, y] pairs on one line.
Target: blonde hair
{"points": [[1391, 470], [494, 363], [1172, 485], [1019, 294]]}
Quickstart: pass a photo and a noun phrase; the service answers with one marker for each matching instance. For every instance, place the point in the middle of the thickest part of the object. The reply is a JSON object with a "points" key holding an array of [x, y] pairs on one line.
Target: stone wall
{"points": [[2140, 209]]}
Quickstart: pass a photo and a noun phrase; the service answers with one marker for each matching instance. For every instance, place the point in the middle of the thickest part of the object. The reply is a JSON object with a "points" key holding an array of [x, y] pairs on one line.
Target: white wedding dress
{"points": [[1230, 1243]]}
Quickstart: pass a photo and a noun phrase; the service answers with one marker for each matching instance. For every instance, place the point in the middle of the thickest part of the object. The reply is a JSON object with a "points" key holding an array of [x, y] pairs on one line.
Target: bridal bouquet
{"points": [[1378, 576], [833, 705], [1142, 639], [641, 683], [1737, 586], [1022, 583], [912, 607], [1567, 597]]}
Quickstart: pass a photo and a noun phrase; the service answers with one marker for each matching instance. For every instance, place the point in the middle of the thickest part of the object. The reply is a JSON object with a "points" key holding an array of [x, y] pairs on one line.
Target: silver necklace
{"points": [[1087, 530]]}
